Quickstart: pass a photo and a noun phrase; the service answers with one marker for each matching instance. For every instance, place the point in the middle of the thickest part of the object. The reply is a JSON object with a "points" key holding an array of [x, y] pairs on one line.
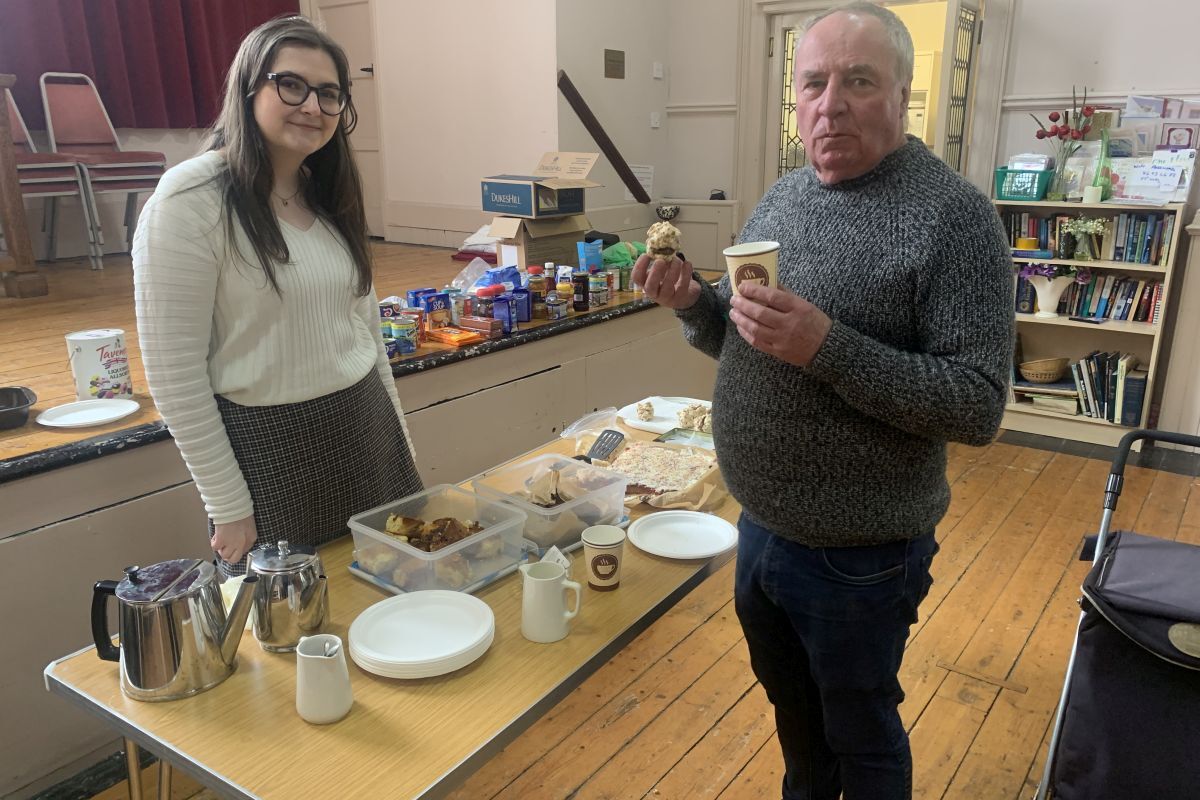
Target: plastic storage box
{"points": [[1022, 184], [602, 502], [467, 564]]}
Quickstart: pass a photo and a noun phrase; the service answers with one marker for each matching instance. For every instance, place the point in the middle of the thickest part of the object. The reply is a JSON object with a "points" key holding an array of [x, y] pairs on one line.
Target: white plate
{"points": [[665, 411], [387, 670], [83, 413], [682, 534], [422, 629]]}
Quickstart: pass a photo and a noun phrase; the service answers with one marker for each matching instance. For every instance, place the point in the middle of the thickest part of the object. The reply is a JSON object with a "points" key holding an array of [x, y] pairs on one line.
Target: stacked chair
{"points": [[78, 126], [50, 176]]}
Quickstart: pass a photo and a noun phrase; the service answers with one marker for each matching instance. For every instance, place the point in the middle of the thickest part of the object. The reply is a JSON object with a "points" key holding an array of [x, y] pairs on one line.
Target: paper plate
{"points": [[429, 633], [682, 534], [665, 411], [83, 413]]}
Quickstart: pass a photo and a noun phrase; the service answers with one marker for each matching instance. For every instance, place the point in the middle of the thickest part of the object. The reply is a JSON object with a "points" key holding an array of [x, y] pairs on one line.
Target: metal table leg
{"points": [[134, 768]]}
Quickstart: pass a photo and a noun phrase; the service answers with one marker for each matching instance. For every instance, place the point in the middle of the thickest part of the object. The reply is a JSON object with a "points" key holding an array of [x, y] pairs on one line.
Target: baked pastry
{"points": [[657, 469], [662, 240], [696, 417], [403, 527], [645, 411]]}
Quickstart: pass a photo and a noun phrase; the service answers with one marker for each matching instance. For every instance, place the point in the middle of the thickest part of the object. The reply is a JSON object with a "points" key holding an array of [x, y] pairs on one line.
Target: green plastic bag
{"points": [[623, 254]]}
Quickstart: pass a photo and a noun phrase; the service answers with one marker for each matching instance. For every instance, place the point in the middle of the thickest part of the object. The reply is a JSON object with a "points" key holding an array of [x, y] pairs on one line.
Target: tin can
{"points": [[579, 289], [598, 289], [404, 334], [385, 326], [556, 307], [626, 279], [391, 348]]}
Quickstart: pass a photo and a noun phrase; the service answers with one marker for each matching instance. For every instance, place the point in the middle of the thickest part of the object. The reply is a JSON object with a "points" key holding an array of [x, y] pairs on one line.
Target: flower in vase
{"points": [[1080, 274], [1065, 138]]}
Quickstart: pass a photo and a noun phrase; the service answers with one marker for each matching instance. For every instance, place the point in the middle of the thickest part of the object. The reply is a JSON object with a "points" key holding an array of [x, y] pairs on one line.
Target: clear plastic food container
{"points": [[464, 565], [597, 497]]}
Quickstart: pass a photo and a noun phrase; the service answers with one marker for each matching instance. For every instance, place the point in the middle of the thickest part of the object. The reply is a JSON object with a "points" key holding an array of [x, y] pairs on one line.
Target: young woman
{"points": [[258, 323]]}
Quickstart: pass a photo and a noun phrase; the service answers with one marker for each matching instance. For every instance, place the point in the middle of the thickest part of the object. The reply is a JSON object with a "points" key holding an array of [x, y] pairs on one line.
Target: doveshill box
{"points": [[554, 189]]}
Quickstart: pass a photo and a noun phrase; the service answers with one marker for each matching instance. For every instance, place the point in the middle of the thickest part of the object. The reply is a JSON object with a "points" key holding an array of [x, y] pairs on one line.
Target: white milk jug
{"points": [[323, 692], [544, 613]]}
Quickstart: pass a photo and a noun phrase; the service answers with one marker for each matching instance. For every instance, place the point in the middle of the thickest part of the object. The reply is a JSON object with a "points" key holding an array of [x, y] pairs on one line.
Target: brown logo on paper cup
{"points": [[604, 566], [751, 273]]}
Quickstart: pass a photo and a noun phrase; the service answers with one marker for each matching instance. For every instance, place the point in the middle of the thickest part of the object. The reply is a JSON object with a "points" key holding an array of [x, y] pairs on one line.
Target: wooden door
{"points": [[352, 25]]}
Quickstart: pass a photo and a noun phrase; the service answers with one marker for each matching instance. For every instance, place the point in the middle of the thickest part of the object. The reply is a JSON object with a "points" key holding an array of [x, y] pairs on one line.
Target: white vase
{"points": [[1049, 292]]}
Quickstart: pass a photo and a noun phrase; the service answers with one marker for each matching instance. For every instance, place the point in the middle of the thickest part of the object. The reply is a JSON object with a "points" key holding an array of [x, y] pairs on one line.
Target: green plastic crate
{"points": [[1022, 184]]}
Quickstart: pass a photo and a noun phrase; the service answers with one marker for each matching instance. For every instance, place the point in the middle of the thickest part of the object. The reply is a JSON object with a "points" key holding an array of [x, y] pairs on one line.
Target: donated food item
{"points": [[662, 240], [657, 469], [697, 417], [456, 337], [645, 411], [430, 536]]}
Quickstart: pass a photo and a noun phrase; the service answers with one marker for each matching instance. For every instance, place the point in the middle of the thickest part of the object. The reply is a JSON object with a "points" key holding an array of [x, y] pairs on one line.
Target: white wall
{"points": [[585, 30], [1094, 43], [467, 89]]}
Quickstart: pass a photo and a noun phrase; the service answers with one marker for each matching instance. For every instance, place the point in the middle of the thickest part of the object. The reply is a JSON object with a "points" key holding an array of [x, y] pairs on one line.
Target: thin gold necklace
{"points": [[286, 200]]}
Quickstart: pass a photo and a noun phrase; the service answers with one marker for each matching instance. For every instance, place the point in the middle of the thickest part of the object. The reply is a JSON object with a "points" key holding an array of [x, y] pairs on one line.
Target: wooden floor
{"points": [[33, 352], [678, 714]]}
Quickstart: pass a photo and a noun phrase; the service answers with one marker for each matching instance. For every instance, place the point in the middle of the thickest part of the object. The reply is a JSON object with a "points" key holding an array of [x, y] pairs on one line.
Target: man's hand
{"points": [[232, 540], [779, 323], [668, 283]]}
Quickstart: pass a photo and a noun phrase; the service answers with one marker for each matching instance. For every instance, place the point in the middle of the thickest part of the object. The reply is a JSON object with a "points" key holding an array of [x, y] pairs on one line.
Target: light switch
{"points": [[655, 120], [658, 70]]}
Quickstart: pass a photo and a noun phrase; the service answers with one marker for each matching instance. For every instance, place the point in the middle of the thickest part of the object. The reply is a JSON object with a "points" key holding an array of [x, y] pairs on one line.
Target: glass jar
{"points": [[537, 285], [598, 289], [579, 291], [485, 299]]}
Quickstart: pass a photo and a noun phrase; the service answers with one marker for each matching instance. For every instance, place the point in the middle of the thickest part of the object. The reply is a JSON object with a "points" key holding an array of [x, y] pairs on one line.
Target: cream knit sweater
{"points": [[209, 323]]}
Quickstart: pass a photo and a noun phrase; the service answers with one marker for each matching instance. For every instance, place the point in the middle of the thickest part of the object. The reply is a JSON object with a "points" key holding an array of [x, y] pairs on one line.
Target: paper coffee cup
{"points": [[602, 548], [753, 261]]}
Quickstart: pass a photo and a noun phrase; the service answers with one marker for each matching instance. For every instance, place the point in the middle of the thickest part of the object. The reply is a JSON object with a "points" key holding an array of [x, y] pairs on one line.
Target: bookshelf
{"points": [[1057, 337]]}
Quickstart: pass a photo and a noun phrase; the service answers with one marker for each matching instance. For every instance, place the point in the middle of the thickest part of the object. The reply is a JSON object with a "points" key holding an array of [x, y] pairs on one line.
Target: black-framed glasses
{"points": [[294, 91]]}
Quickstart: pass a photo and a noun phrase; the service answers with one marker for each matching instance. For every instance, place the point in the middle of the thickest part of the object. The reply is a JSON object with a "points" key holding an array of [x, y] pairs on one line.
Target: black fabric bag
{"points": [[1132, 724]]}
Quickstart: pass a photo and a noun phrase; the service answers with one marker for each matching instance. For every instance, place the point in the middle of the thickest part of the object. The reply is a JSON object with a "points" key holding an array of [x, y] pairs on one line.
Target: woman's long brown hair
{"points": [[331, 183]]}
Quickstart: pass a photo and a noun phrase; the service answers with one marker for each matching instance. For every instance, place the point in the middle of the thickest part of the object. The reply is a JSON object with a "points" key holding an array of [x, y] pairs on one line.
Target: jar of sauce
{"points": [[485, 299]]}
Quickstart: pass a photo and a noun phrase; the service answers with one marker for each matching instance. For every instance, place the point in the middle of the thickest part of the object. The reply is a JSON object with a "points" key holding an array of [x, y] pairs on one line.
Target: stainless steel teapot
{"points": [[292, 598], [175, 637]]}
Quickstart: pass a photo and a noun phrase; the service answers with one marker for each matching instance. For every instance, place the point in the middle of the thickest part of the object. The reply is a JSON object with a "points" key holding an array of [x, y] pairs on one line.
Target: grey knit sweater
{"points": [[911, 263]]}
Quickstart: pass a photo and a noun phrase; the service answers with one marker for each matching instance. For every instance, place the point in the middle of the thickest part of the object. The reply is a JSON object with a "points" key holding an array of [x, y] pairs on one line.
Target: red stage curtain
{"points": [[157, 63]]}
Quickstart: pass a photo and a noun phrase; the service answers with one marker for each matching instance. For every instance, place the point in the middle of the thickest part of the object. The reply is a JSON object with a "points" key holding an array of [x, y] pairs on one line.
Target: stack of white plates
{"points": [[422, 634]]}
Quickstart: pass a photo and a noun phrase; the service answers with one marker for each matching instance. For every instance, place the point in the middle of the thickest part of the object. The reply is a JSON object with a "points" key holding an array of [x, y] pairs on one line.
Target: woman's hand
{"points": [[232, 540]]}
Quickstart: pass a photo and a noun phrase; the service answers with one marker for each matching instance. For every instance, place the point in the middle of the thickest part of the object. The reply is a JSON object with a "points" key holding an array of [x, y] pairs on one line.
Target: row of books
{"points": [[1116, 297], [1132, 238], [1106, 386], [1110, 386], [1139, 239]]}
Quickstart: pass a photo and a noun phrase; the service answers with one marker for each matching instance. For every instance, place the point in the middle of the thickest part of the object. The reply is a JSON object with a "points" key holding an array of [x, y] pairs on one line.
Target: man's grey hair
{"points": [[899, 36]]}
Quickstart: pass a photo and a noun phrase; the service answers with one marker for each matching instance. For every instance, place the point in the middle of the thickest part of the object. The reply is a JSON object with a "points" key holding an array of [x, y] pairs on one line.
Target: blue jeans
{"points": [[826, 629]]}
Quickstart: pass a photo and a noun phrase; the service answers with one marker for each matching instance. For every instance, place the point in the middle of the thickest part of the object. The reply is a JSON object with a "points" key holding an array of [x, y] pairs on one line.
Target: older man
{"points": [[890, 334]]}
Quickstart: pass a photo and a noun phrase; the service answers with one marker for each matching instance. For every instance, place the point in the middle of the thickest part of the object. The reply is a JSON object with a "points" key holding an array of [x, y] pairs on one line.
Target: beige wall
{"points": [[467, 90], [1099, 52], [584, 30]]}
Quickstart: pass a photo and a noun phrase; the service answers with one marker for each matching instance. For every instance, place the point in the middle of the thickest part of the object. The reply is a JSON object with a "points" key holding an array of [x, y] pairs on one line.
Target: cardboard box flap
{"points": [[567, 183], [505, 227], [566, 170], [540, 228]]}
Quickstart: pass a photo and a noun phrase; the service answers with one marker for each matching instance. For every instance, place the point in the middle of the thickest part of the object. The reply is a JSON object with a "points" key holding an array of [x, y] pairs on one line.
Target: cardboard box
{"points": [[536, 241], [555, 189]]}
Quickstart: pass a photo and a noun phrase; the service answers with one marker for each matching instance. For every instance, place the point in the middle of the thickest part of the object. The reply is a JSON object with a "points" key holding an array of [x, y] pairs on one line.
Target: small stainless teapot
{"points": [[292, 598], [176, 639]]}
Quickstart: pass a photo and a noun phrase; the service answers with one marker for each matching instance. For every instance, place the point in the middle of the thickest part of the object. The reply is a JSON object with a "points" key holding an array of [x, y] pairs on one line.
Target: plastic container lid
{"points": [[534, 269], [490, 291]]}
